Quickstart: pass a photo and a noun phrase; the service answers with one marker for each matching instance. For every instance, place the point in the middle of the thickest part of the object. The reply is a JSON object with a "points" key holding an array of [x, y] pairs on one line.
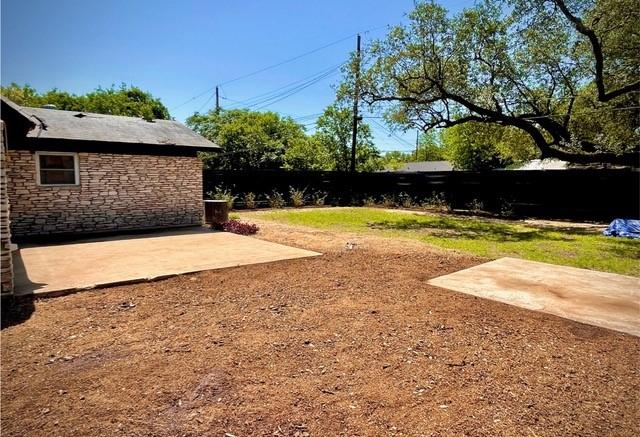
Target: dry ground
{"points": [[350, 343]]}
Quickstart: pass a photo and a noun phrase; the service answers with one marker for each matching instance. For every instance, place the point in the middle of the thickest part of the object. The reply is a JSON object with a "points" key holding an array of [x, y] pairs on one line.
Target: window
{"points": [[57, 168]]}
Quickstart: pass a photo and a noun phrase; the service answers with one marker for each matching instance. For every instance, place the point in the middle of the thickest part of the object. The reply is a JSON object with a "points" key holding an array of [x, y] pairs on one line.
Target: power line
{"points": [[402, 140], [280, 93], [265, 97], [278, 64], [297, 90]]}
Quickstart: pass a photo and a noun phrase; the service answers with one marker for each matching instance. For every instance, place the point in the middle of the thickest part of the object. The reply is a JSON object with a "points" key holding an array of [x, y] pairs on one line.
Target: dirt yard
{"points": [[350, 343]]}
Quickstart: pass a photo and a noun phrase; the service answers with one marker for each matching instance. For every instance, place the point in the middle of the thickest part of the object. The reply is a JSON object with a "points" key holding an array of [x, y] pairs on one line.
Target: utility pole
{"points": [[417, 143], [356, 96], [217, 100]]}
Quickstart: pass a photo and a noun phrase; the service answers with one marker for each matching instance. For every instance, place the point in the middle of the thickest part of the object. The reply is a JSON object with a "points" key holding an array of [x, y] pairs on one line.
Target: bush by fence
{"points": [[572, 194]]}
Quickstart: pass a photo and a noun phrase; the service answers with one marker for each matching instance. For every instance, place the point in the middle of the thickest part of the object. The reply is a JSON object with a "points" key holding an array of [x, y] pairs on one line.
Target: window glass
{"points": [[57, 162], [57, 169], [54, 177]]}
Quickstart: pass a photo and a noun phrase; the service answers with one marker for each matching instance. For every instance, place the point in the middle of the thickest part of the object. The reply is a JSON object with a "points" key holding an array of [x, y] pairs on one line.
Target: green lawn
{"points": [[485, 237]]}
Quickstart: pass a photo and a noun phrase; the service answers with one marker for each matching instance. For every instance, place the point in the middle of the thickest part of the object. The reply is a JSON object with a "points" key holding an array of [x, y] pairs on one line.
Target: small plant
{"points": [[276, 200], [506, 207], [297, 197], [405, 200], [369, 202], [221, 193], [475, 206], [249, 200], [388, 201], [437, 202], [238, 227], [319, 198]]}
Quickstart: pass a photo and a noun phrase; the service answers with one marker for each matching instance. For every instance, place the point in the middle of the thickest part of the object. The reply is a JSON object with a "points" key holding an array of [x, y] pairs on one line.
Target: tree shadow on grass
{"points": [[486, 230]]}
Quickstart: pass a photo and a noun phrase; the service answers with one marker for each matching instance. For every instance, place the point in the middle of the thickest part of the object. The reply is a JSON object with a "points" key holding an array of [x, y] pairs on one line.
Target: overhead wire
{"points": [[278, 64], [291, 87]]}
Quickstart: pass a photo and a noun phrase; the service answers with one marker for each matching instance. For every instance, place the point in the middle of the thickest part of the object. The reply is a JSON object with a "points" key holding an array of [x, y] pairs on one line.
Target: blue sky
{"points": [[179, 49]]}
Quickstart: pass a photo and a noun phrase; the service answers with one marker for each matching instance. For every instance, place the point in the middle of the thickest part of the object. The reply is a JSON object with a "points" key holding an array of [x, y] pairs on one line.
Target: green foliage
{"points": [[260, 140], [250, 140], [405, 200], [395, 159], [369, 202], [481, 146], [520, 64], [437, 202], [388, 200], [276, 200], [318, 198], [308, 153], [333, 133], [249, 200], [297, 196], [125, 100], [430, 147], [222, 193]]}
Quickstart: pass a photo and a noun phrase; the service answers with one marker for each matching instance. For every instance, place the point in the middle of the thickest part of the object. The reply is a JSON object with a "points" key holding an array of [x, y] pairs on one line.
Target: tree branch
{"points": [[596, 48]]}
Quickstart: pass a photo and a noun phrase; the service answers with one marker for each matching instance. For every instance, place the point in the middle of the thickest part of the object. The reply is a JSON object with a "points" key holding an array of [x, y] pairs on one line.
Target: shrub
{"points": [[437, 202], [369, 201], [475, 206], [275, 200], [388, 201], [506, 207], [249, 200], [238, 227], [297, 197], [319, 197], [221, 193], [405, 200]]}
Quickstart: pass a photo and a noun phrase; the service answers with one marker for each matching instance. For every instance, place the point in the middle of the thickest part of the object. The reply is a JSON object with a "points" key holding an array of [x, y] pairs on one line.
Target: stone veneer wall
{"points": [[6, 260], [116, 192]]}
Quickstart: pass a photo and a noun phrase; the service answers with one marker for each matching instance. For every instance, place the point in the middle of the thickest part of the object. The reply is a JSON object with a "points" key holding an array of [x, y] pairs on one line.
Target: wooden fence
{"points": [[569, 194]]}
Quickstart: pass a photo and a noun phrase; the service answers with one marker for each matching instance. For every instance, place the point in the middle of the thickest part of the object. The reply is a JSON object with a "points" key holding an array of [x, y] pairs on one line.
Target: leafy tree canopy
{"points": [[561, 72], [333, 132], [250, 140], [125, 100]]}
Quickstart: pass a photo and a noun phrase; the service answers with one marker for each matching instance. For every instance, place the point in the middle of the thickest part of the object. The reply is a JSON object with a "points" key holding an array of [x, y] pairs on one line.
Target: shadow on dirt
{"points": [[16, 310]]}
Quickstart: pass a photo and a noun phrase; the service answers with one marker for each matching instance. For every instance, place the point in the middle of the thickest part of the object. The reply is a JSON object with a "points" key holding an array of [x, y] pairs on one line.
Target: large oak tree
{"points": [[565, 72]]}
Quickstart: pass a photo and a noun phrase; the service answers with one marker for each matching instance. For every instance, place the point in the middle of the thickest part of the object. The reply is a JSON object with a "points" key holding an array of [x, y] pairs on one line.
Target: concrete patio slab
{"points": [[602, 299], [62, 268]]}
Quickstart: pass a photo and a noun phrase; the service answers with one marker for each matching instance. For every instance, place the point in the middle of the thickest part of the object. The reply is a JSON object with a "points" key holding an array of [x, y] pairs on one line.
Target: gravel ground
{"points": [[350, 343]]}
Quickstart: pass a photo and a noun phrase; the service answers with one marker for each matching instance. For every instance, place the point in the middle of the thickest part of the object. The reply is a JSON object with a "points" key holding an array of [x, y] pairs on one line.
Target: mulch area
{"points": [[350, 343]]}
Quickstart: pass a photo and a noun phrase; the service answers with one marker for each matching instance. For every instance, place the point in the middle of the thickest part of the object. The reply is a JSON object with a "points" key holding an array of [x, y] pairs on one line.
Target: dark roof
{"points": [[54, 124], [425, 166]]}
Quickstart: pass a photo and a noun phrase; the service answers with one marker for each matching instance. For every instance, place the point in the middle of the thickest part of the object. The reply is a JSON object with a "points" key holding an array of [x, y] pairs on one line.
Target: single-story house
{"points": [[70, 172]]}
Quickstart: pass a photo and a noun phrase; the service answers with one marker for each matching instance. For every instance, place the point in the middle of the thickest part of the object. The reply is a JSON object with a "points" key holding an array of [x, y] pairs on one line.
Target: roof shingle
{"points": [[86, 126]]}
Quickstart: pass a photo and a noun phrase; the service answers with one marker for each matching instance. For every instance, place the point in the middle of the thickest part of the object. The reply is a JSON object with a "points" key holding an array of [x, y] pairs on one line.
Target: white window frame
{"points": [[76, 168]]}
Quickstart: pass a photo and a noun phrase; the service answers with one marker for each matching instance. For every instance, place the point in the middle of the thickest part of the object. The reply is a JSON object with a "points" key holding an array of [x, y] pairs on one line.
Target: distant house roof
{"points": [[54, 124], [425, 166], [544, 164]]}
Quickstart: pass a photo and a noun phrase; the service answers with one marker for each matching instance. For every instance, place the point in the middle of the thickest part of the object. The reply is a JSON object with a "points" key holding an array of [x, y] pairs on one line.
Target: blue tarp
{"points": [[623, 228]]}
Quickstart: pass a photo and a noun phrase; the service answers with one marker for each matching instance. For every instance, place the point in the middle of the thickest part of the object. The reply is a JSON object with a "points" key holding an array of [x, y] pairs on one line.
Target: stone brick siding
{"points": [[6, 260], [116, 192]]}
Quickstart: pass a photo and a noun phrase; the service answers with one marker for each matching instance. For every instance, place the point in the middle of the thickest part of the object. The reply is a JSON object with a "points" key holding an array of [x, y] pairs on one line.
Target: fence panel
{"points": [[573, 194]]}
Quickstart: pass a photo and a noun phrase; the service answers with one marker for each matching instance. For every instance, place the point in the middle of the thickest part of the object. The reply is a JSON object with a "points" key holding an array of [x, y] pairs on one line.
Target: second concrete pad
{"points": [[596, 298]]}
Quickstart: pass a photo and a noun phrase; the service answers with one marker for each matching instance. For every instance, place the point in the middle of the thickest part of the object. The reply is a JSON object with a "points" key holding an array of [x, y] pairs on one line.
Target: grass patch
{"points": [[480, 236]]}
